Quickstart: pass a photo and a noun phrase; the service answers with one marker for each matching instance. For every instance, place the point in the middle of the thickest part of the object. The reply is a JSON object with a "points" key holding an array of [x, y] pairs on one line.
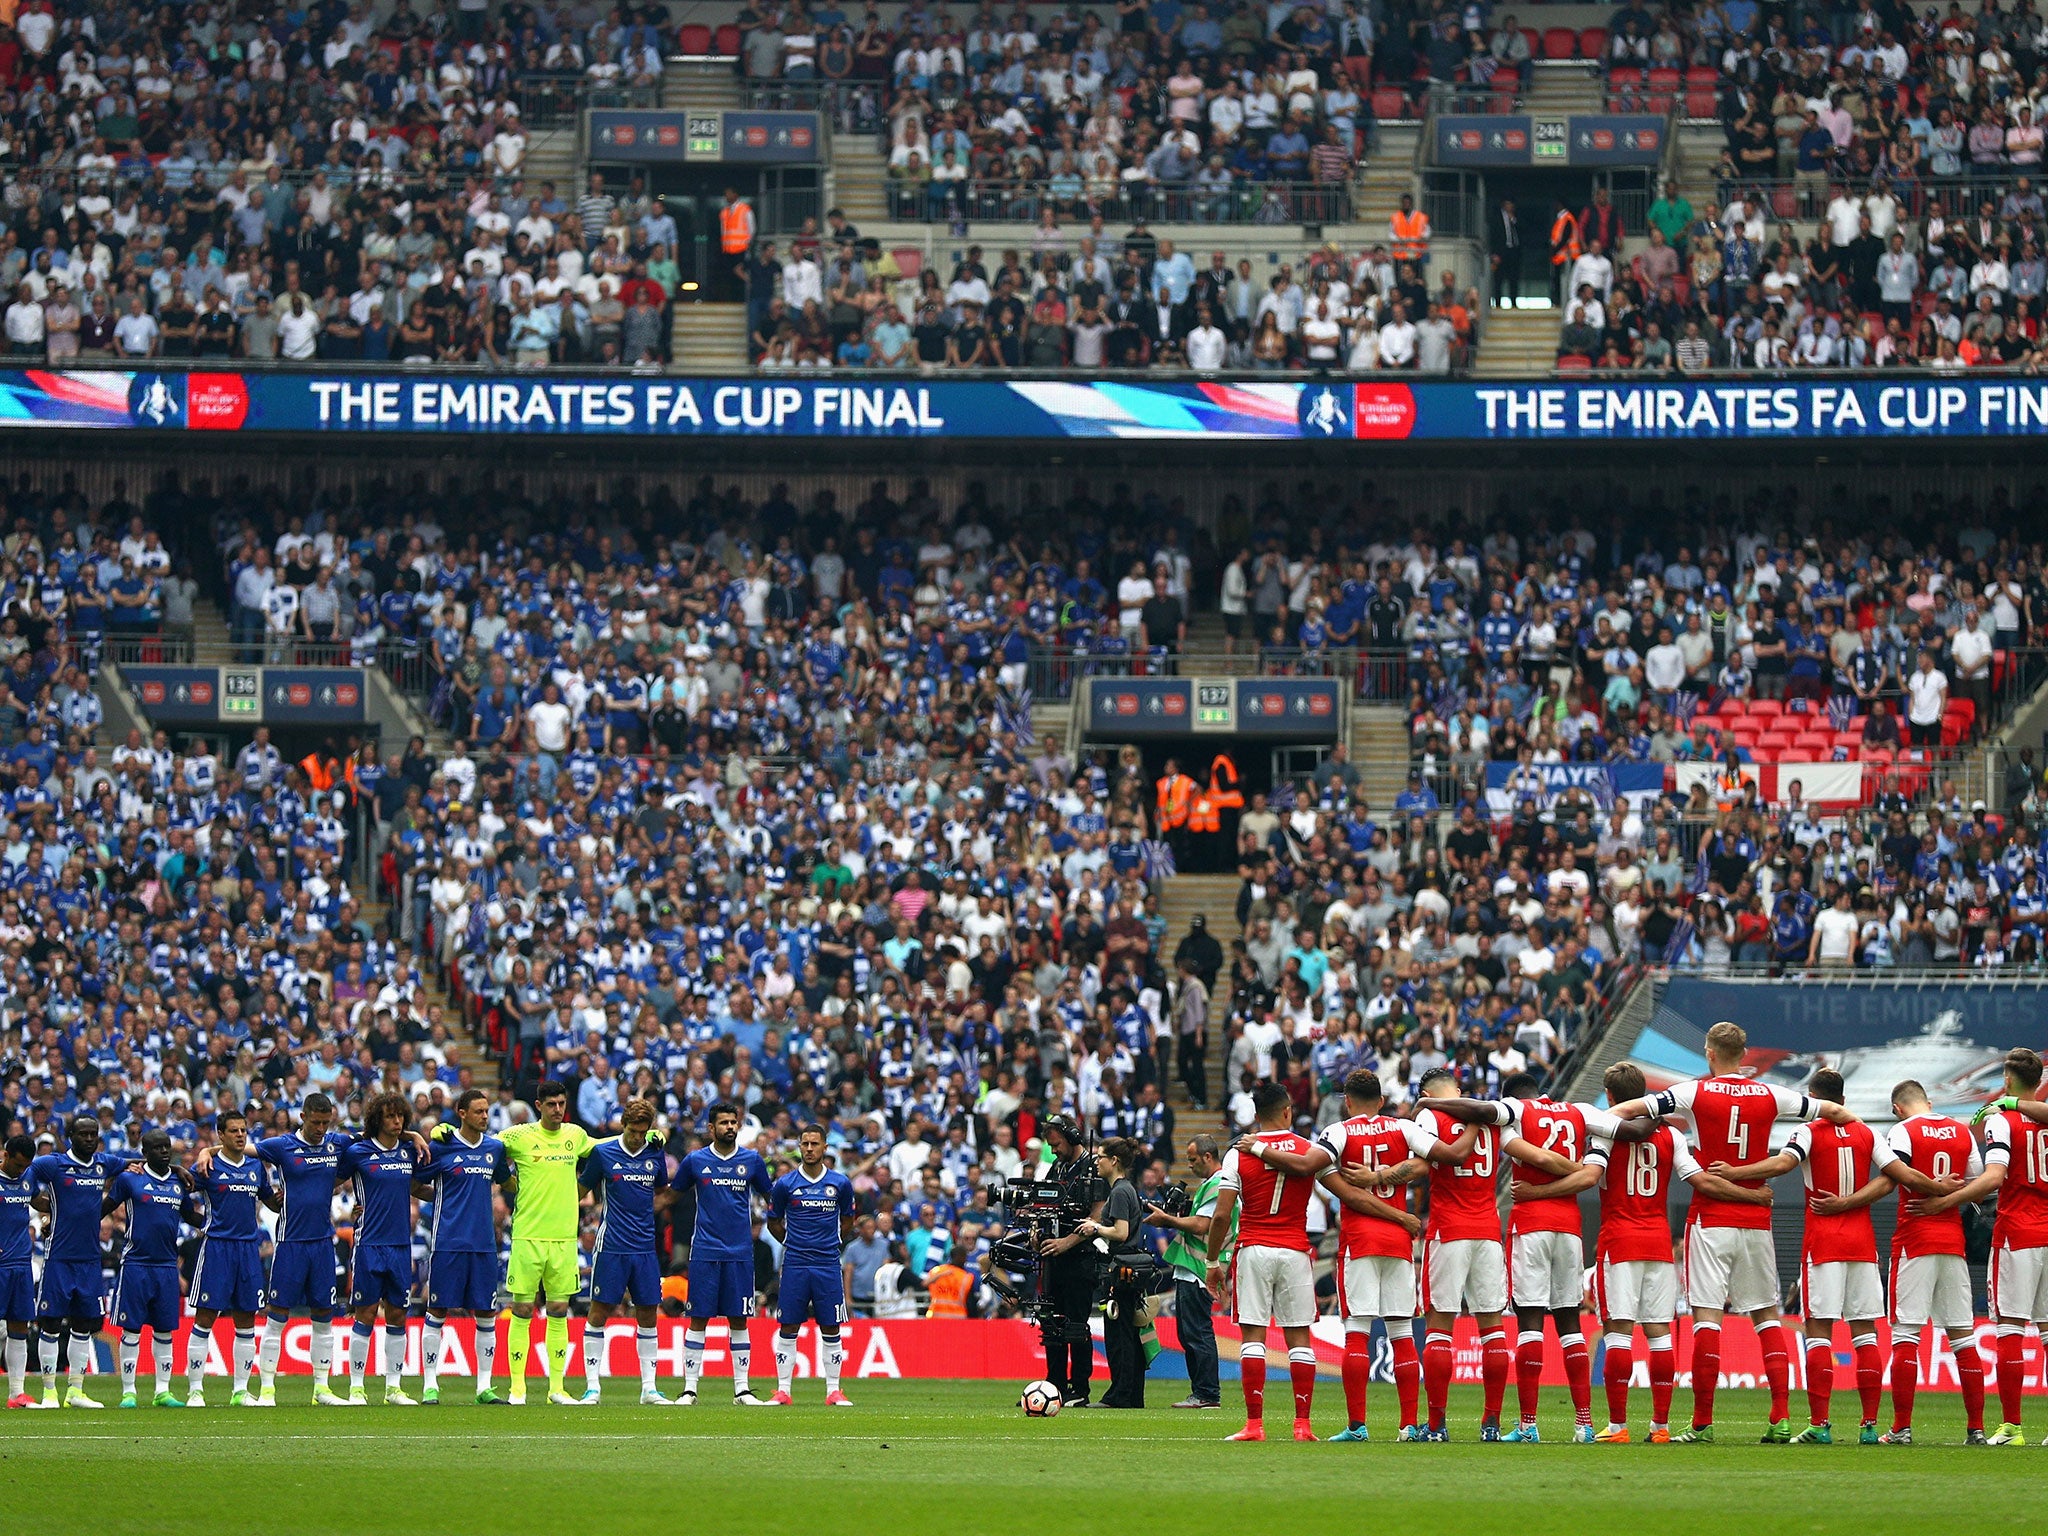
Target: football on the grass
{"points": [[1041, 1400]]}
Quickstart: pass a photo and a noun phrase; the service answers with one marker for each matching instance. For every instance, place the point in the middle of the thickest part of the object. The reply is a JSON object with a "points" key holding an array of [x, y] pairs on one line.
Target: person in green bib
{"points": [[1187, 1255]]}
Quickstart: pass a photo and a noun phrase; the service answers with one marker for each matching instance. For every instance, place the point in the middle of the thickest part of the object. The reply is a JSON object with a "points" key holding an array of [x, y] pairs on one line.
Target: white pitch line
{"points": [[878, 1437]]}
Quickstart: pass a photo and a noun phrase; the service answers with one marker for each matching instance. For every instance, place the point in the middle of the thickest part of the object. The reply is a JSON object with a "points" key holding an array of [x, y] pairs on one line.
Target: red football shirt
{"points": [[1567, 1130], [1463, 1205], [2020, 1147], [1731, 1123], [1941, 1148], [1272, 1206], [1836, 1160], [1376, 1141], [1635, 1194]]}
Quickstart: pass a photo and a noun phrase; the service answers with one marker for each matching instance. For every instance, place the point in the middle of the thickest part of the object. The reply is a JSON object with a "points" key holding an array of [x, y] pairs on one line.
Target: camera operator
{"points": [[1122, 1213], [1189, 1261], [1066, 1272]]}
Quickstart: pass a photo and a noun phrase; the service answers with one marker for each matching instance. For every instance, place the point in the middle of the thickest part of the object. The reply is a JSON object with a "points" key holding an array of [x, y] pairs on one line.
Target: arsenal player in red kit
{"points": [[1272, 1280], [1730, 1262], [1635, 1281], [2015, 1131]]}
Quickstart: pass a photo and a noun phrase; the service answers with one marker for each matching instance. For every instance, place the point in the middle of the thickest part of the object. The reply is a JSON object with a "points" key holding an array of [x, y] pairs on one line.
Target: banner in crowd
{"points": [[1949, 1037], [1819, 783], [466, 401], [1508, 784], [1008, 1349]]}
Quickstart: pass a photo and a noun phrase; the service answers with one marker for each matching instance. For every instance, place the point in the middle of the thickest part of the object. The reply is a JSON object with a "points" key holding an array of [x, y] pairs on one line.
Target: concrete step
{"points": [[1379, 747], [711, 335], [699, 86]]}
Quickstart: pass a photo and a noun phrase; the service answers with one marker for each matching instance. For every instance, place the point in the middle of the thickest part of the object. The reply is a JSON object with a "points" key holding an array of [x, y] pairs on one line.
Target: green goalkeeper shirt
{"points": [[545, 1208]]}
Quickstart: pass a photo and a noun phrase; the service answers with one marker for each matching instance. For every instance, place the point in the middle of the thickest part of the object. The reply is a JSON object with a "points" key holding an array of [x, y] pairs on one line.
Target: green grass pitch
{"points": [[958, 1458]]}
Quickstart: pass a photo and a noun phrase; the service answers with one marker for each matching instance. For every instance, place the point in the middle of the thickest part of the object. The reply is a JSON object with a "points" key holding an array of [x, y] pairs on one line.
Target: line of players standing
{"points": [[1634, 1154]]}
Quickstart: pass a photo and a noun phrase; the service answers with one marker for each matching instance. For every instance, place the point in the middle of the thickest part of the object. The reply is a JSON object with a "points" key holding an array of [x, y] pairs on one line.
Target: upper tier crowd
{"points": [[1877, 204]]}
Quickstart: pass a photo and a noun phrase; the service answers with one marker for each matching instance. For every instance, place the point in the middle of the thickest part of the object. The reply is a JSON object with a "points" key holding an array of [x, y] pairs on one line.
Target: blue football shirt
{"points": [[17, 1237], [233, 1191], [76, 1190], [463, 1177], [628, 1182], [811, 1211], [382, 1177], [156, 1205], [308, 1172], [724, 1185]]}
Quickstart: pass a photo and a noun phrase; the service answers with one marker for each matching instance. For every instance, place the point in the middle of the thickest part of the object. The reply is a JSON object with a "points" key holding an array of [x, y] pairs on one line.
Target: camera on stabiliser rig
{"points": [[1039, 1210]]}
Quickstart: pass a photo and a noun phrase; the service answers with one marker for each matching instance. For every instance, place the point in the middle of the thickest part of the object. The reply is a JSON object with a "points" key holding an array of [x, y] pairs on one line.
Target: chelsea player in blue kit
{"points": [[630, 1174], [726, 1177], [158, 1195], [462, 1243], [382, 1164], [810, 1211], [71, 1187], [17, 1279], [229, 1275], [307, 1166]]}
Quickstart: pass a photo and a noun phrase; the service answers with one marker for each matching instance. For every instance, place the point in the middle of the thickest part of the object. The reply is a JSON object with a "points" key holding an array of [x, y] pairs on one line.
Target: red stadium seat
{"points": [[1624, 74], [1388, 103], [1766, 706], [1574, 362], [1560, 43], [694, 39], [1763, 753], [1666, 80], [909, 260], [1593, 43], [1784, 203], [1359, 68], [1701, 104], [728, 40]]}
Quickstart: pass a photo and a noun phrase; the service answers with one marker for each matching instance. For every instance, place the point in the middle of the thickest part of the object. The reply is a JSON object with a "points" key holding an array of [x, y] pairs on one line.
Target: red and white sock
{"points": [[1617, 1364], [1905, 1378], [2012, 1370], [1357, 1374], [1869, 1374], [1970, 1373], [1663, 1376], [1529, 1373], [1706, 1371], [1436, 1375], [1578, 1374], [1820, 1379], [1251, 1370], [1407, 1374], [1770, 1338], [1301, 1366], [1493, 1369]]}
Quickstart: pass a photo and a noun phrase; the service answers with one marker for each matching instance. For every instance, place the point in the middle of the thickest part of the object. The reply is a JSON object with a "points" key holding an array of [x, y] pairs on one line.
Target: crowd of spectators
{"points": [[339, 183], [1211, 112], [1877, 203], [1082, 300]]}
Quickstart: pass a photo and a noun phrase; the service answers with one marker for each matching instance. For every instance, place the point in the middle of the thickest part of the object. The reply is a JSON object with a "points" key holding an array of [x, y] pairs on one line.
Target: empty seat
{"points": [[1560, 43], [694, 39]]}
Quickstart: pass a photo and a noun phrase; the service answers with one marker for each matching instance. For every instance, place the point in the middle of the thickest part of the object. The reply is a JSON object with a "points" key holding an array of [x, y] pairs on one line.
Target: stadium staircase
{"points": [[1181, 899], [1379, 750], [1519, 344], [1562, 87], [710, 337]]}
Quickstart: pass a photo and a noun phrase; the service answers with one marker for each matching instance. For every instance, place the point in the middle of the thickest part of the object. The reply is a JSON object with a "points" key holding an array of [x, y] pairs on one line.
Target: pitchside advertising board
{"points": [[402, 401], [1009, 1349], [248, 695]]}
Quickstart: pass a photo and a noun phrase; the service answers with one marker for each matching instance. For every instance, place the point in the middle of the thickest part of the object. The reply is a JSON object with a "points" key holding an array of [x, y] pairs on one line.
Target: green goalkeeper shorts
{"points": [[541, 1266]]}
